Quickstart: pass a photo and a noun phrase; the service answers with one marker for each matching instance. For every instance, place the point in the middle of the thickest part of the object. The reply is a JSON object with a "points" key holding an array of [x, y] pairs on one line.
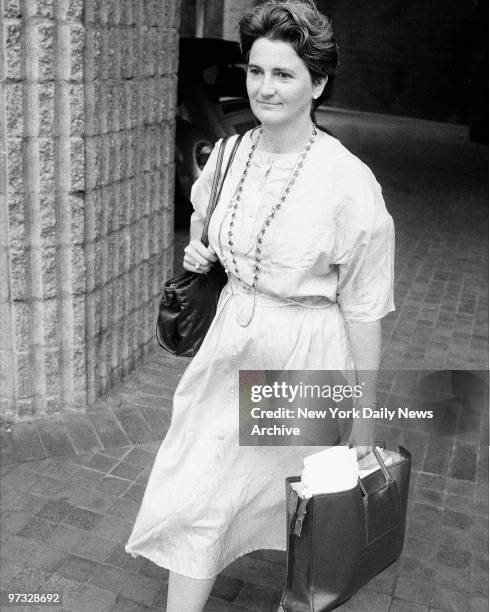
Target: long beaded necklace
{"points": [[275, 208]]}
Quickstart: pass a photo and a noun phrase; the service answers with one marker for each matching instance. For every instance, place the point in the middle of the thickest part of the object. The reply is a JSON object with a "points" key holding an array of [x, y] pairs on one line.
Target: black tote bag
{"points": [[337, 542]]}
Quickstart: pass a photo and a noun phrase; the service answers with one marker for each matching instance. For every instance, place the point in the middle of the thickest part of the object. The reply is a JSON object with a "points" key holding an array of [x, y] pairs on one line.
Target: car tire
{"points": [[183, 208]]}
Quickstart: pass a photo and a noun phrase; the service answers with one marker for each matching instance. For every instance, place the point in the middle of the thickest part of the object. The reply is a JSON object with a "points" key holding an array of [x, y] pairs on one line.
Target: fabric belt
{"points": [[270, 299]]}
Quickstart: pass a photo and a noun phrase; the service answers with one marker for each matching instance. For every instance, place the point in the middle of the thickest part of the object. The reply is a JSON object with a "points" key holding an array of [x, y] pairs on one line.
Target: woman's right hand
{"points": [[198, 258]]}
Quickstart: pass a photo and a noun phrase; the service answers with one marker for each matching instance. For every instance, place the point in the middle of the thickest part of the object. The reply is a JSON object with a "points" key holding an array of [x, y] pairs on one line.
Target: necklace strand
{"points": [[256, 268]]}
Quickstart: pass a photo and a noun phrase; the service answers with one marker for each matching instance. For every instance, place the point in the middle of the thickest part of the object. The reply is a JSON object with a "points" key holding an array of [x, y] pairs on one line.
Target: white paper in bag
{"points": [[329, 471], [337, 469]]}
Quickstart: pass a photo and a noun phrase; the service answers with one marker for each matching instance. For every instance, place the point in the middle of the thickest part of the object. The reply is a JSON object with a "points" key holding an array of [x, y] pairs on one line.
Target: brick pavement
{"points": [[65, 519], [71, 486]]}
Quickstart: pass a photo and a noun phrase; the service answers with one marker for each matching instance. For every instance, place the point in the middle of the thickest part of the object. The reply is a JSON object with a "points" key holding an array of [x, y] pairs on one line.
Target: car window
{"points": [[226, 81]]}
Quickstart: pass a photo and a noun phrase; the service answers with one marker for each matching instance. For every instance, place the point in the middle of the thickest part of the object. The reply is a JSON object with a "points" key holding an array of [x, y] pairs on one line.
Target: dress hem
{"points": [[174, 567]]}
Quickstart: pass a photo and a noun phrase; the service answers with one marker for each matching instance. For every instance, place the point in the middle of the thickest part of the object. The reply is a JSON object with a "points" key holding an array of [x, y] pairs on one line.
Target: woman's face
{"points": [[279, 84]]}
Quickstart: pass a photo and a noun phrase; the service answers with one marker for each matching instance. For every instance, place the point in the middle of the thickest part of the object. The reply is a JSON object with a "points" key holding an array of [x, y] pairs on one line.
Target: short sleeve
{"points": [[364, 249]]}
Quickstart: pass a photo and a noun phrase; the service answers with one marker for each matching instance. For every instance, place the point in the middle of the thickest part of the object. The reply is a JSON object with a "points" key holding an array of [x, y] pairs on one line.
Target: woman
{"points": [[302, 229]]}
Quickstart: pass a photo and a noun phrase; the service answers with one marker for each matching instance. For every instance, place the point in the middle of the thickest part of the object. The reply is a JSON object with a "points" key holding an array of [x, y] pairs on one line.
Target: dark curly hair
{"points": [[299, 23]]}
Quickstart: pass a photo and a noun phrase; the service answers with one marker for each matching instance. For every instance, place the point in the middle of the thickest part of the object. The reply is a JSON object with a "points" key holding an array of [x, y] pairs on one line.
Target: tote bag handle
{"points": [[218, 181]]}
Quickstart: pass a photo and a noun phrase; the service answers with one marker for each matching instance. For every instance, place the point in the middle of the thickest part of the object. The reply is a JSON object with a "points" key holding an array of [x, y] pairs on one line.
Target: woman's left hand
{"points": [[363, 451], [198, 258]]}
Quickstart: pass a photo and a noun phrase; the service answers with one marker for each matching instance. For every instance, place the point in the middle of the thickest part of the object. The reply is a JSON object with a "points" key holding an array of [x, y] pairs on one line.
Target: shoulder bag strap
{"points": [[217, 184]]}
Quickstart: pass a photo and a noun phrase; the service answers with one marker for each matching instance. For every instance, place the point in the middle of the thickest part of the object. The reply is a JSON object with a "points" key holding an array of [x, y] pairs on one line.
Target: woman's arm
{"points": [[365, 341], [196, 227], [195, 252]]}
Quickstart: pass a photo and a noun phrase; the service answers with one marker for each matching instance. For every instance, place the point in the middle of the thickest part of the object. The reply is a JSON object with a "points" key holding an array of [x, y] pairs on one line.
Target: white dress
{"points": [[208, 500]]}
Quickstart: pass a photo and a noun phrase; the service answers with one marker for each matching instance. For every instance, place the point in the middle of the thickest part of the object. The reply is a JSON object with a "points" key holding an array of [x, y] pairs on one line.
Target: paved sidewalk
{"points": [[65, 520], [71, 486]]}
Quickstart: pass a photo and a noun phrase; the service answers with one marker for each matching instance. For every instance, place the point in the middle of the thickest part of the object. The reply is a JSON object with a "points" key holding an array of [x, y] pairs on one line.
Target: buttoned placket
{"points": [[255, 205], [258, 203]]}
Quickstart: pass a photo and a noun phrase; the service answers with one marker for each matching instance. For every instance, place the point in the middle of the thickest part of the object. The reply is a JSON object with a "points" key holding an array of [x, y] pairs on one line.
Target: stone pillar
{"points": [[86, 186]]}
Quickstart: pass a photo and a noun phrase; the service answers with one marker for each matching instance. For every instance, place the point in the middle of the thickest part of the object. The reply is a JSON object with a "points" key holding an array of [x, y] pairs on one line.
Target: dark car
{"points": [[212, 102]]}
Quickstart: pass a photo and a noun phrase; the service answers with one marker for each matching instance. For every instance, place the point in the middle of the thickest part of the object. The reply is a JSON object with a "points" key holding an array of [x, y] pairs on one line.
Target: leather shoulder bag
{"points": [[337, 542], [189, 300]]}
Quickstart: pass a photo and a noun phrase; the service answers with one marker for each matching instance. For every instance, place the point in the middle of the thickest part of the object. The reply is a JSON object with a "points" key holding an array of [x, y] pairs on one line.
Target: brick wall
{"points": [[232, 11], [188, 18], [213, 23], [414, 58], [86, 221], [213, 18]]}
